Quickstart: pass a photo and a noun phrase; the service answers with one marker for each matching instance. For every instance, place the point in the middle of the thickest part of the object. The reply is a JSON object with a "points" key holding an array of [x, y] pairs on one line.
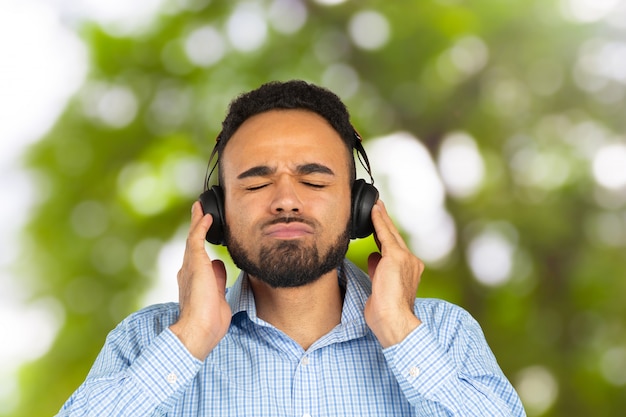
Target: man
{"points": [[302, 332]]}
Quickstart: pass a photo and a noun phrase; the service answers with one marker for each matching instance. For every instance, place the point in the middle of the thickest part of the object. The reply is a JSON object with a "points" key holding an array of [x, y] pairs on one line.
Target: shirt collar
{"points": [[240, 296], [357, 285]]}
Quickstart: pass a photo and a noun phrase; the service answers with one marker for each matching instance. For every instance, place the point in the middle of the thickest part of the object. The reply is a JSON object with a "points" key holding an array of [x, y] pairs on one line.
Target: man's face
{"points": [[286, 181]]}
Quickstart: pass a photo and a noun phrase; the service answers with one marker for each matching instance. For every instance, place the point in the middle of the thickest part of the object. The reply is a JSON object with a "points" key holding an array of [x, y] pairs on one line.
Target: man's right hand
{"points": [[204, 313]]}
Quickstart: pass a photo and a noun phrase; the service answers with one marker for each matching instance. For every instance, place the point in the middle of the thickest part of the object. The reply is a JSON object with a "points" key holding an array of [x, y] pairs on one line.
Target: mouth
{"points": [[291, 230]]}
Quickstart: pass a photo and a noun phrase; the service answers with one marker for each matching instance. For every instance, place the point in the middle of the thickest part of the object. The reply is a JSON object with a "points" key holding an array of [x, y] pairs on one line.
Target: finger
{"points": [[386, 232], [219, 270], [391, 225], [196, 212], [372, 263], [200, 223]]}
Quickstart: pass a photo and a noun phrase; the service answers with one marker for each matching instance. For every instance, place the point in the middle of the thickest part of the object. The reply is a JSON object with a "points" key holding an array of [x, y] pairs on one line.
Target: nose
{"points": [[285, 198]]}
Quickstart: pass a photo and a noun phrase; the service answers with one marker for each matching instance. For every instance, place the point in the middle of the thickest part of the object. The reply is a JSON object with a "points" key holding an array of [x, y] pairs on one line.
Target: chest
{"points": [[271, 379]]}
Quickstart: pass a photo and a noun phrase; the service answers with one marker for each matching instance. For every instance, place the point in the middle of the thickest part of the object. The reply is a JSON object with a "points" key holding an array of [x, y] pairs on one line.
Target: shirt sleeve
{"points": [[445, 367], [139, 372]]}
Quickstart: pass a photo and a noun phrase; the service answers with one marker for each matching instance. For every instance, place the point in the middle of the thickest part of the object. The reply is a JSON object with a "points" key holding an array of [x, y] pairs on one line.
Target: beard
{"points": [[288, 263]]}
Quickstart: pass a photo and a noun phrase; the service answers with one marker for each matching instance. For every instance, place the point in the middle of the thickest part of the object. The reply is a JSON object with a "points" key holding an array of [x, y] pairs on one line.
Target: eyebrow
{"points": [[304, 169], [314, 169], [258, 171]]}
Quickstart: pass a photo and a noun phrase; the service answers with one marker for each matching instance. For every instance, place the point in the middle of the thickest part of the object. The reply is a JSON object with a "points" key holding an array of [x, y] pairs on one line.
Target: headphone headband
{"points": [[209, 170], [360, 151]]}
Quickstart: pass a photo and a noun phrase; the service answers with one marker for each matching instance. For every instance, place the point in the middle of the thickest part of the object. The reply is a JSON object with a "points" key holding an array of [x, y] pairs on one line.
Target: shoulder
{"points": [[449, 322], [148, 322], [438, 307], [443, 315]]}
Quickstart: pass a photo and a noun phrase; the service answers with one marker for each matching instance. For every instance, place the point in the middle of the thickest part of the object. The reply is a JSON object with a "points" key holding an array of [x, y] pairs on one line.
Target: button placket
{"points": [[305, 388]]}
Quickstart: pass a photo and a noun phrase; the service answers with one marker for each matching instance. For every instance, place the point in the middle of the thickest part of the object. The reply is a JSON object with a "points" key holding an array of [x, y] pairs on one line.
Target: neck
{"points": [[304, 313]]}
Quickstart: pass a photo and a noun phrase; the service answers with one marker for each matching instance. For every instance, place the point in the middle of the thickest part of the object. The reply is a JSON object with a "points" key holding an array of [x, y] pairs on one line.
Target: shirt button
{"points": [[171, 378], [414, 371], [305, 361]]}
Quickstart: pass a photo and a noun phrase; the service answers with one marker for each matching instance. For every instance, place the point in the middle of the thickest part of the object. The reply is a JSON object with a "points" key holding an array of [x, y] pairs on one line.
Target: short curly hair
{"points": [[296, 95]]}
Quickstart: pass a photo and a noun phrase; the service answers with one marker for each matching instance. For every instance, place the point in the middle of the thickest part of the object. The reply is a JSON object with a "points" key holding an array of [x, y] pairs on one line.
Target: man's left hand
{"points": [[395, 273]]}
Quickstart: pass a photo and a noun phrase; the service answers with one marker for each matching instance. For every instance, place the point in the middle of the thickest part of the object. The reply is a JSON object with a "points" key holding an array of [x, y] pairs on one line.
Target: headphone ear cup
{"points": [[364, 196], [212, 201]]}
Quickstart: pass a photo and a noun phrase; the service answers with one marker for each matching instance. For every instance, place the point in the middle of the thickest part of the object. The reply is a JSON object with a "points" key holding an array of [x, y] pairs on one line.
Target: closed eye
{"points": [[256, 187], [313, 185]]}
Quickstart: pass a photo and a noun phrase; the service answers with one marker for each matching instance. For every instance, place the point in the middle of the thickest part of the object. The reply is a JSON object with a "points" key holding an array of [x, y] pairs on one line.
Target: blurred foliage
{"points": [[120, 168]]}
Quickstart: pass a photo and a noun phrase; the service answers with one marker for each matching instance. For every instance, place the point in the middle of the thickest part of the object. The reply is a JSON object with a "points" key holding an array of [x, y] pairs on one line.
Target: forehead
{"points": [[282, 137]]}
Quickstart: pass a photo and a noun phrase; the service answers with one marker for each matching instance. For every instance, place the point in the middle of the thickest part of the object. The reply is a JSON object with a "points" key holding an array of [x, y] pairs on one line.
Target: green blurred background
{"points": [[496, 133]]}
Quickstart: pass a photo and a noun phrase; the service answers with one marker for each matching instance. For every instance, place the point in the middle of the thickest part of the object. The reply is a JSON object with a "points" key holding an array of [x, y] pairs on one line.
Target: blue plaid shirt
{"points": [[443, 368]]}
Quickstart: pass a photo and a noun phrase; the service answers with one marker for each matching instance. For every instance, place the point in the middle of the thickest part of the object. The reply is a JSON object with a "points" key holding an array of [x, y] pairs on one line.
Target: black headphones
{"points": [[364, 196]]}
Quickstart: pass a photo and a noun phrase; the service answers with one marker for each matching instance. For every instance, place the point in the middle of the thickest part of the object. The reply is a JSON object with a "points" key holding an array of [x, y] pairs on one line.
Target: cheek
{"points": [[244, 219], [235, 216], [339, 212], [237, 219]]}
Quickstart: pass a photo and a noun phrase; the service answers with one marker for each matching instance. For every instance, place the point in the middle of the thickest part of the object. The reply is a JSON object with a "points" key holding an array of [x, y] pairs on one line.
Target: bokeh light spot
{"points": [[287, 16], [331, 46], [342, 79], [607, 229], [177, 170], [247, 28], [410, 186], [613, 365], [490, 255], [34, 326], [169, 108], [505, 94], [165, 288], [469, 54], [586, 11], [113, 105], [544, 170], [43, 63], [121, 17], [369, 30], [538, 389], [600, 69], [609, 166], [38, 324], [330, 2], [140, 187], [460, 164], [205, 46]]}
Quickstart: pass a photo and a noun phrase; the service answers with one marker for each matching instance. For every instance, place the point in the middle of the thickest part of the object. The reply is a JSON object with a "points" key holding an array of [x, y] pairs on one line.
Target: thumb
{"points": [[220, 274], [372, 263]]}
